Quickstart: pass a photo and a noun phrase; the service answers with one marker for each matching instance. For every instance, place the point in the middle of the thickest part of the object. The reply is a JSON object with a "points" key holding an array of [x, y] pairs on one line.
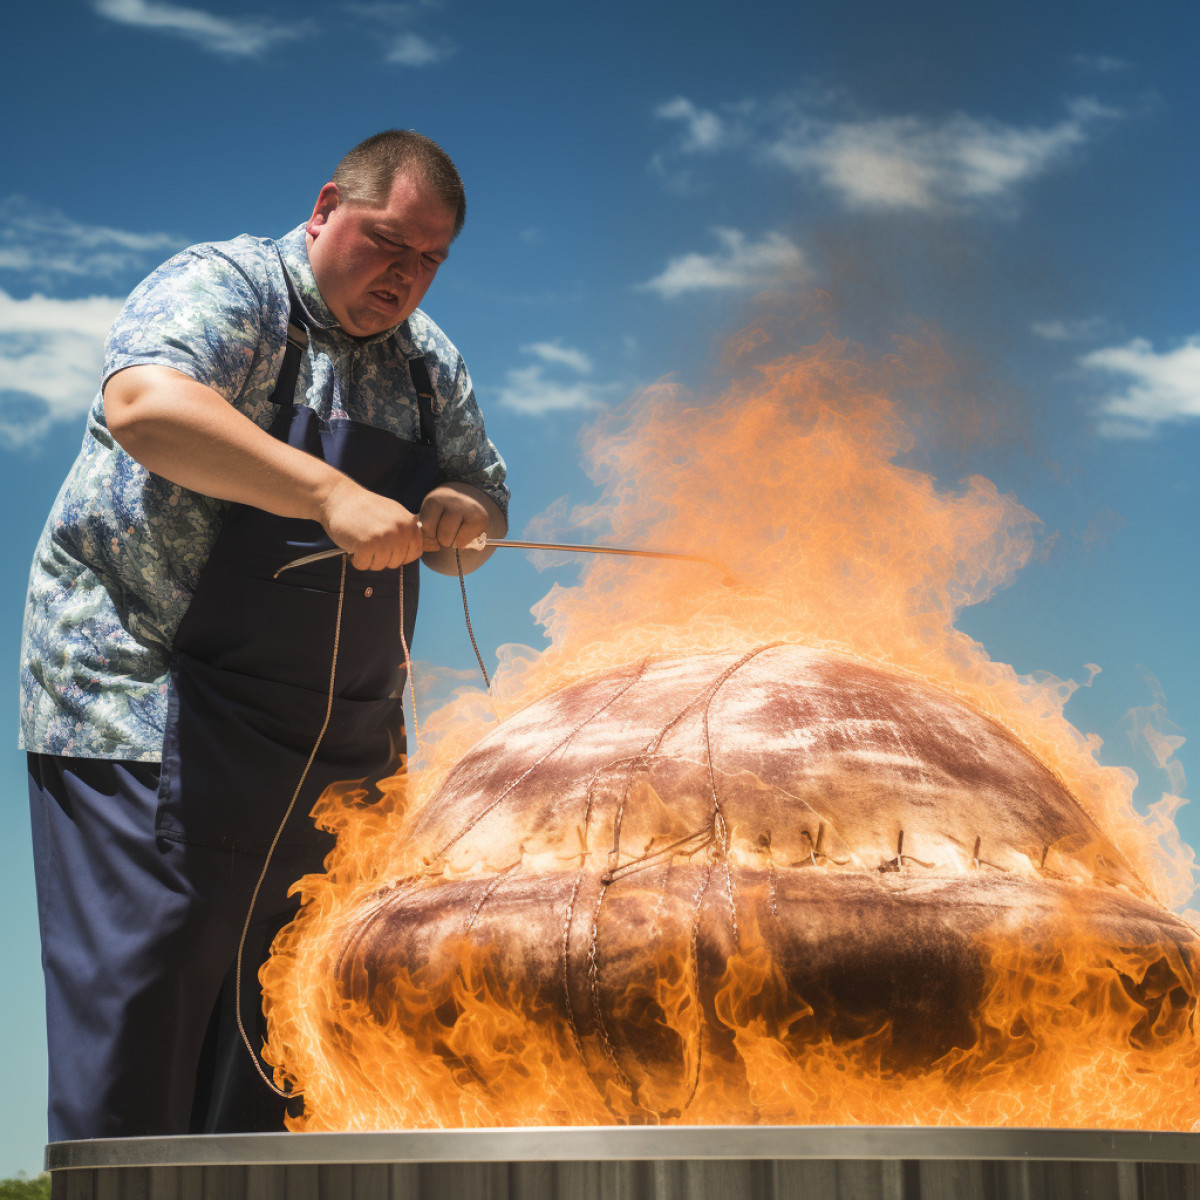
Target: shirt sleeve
{"points": [[199, 313], [465, 452]]}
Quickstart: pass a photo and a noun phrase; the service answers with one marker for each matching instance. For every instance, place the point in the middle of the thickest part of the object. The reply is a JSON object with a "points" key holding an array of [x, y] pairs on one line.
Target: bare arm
{"points": [[191, 435]]}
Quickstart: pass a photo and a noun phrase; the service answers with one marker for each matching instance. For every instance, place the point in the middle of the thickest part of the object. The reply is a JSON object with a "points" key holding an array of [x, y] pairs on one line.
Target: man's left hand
{"points": [[452, 516]]}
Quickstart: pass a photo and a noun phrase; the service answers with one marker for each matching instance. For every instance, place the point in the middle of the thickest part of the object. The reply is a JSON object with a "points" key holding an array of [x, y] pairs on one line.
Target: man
{"points": [[184, 702]]}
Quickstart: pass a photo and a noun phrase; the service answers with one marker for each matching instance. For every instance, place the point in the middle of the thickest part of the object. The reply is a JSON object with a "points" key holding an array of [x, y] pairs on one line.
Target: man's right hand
{"points": [[378, 532]]}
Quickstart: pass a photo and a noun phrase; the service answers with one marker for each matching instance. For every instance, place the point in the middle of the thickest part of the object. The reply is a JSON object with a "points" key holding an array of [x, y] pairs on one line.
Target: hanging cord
{"points": [[337, 636], [408, 669], [462, 583]]}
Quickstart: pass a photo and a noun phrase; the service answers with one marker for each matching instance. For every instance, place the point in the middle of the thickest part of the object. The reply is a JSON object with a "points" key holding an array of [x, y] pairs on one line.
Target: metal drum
{"points": [[674, 1163]]}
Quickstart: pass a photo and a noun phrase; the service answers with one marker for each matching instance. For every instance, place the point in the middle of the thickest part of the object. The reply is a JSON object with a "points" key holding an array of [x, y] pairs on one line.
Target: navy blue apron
{"points": [[249, 689], [249, 674]]}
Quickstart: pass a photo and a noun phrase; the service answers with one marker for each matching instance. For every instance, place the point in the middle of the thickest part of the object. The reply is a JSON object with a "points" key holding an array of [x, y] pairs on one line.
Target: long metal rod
{"points": [[569, 548], [484, 542]]}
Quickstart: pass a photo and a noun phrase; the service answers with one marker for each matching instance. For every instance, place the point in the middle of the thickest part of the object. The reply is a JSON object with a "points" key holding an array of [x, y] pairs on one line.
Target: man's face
{"points": [[374, 264]]}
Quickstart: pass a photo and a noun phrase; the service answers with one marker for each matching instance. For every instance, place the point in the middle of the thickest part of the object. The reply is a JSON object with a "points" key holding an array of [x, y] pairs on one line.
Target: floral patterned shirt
{"points": [[122, 549]]}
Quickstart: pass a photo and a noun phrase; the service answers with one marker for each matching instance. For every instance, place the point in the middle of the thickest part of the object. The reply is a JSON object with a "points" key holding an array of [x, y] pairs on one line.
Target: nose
{"points": [[405, 263]]}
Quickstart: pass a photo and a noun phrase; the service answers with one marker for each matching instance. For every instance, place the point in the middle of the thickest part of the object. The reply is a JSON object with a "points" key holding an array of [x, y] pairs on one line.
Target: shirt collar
{"points": [[293, 250]]}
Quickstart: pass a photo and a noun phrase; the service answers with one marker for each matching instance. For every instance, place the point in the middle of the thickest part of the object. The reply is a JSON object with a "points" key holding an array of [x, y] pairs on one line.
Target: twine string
{"points": [[337, 634]]}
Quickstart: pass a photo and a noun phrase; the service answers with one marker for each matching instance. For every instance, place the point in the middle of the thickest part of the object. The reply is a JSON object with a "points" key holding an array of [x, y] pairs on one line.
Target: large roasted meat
{"points": [[672, 874]]}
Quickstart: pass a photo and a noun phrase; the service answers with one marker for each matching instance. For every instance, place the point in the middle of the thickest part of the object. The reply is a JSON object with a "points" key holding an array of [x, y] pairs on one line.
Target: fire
{"points": [[401, 998]]}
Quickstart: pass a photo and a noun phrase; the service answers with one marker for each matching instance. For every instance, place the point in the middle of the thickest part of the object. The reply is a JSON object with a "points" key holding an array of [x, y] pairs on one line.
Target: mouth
{"points": [[387, 298]]}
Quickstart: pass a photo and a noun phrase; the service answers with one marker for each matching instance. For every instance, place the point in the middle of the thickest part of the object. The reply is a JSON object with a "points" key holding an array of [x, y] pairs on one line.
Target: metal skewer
{"points": [[483, 542], [320, 556]]}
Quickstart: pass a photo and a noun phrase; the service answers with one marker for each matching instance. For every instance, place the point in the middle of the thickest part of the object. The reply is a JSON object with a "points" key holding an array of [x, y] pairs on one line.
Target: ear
{"points": [[327, 200]]}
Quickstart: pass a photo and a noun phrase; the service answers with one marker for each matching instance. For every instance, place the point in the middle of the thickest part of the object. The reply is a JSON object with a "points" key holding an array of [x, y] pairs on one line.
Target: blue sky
{"points": [[1020, 178]]}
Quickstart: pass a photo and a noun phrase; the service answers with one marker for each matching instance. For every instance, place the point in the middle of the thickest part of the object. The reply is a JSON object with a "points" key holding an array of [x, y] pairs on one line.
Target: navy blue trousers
{"points": [[139, 938]]}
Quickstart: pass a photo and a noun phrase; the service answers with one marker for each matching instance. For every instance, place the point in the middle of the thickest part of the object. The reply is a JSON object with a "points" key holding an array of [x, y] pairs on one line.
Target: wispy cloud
{"points": [[51, 347], [1101, 64], [738, 264], [413, 50], [230, 37], [557, 382], [399, 28], [703, 133], [51, 353], [556, 352], [704, 130], [955, 163], [43, 246], [1070, 329], [528, 390], [1155, 388]]}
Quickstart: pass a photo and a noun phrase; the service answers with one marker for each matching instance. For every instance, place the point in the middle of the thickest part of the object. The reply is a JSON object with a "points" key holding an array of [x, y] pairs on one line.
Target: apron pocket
{"points": [[236, 746], [253, 625]]}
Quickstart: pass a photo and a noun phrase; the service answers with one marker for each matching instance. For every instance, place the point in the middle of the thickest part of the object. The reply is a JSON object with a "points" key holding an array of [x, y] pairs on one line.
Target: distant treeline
{"points": [[22, 1188]]}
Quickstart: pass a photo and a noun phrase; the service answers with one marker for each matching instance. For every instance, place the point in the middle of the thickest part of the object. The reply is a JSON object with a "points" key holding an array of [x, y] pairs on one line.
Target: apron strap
{"points": [[423, 385], [297, 342]]}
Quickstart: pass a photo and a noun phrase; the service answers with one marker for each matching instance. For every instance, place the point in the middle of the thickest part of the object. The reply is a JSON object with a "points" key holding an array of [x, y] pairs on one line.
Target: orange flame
{"points": [[790, 480]]}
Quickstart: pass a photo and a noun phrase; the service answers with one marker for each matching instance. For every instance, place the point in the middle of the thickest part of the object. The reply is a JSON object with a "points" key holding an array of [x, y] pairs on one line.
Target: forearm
{"points": [[191, 435]]}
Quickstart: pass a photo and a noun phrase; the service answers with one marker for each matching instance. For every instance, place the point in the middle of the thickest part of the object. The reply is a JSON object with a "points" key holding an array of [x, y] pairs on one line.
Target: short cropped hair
{"points": [[366, 174]]}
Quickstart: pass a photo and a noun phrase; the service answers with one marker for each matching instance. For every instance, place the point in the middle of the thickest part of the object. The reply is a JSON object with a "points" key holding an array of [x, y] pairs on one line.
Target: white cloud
{"points": [[539, 388], [555, 352], [384, 10], [399, 24], [393, 12], [90, 317], [1104, 64], [413, 50], [705, 131], [51, 348], [952, 163], [231, 37], [51, 353], [1069, 329], [1158, 387], [920, 164], [43, 243], [702, 134], [774, 259], [527, 390]]}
